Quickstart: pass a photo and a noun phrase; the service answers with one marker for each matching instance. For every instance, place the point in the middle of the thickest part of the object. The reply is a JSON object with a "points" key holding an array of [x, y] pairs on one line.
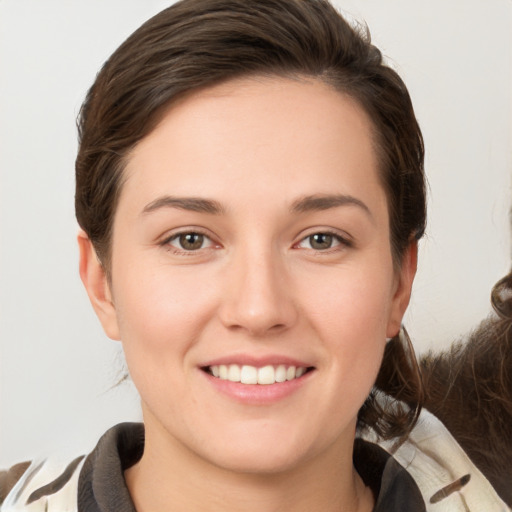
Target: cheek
{"points": [[161, 316], [351, 301], [350, 316], [161, 311]]}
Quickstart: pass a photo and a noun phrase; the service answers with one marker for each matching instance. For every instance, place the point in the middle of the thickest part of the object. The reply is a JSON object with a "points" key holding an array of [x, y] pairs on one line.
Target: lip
{"points": [[257, 394]]}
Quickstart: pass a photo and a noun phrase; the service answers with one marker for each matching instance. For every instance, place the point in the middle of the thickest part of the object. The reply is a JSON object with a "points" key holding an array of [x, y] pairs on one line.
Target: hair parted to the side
{"points": [[199, 43]]}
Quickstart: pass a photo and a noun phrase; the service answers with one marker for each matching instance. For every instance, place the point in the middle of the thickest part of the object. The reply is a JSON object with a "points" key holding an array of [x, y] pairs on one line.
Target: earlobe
{"points": [[402, 294], [97, 286]]}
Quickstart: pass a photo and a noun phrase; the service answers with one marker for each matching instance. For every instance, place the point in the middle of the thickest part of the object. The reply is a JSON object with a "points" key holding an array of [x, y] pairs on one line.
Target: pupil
{"points": [[191, 241], [320, 241]]}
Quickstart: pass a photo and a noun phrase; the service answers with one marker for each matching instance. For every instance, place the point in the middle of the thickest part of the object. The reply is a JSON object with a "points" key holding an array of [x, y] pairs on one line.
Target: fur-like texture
{"points": [[469, 388]]}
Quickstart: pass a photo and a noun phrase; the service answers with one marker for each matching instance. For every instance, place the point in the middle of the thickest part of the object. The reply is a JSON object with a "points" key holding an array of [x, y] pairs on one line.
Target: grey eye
{"points": [[321, 241]]}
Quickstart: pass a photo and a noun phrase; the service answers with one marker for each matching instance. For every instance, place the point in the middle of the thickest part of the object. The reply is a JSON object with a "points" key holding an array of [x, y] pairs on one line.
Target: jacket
{"points": [[429, 472]]}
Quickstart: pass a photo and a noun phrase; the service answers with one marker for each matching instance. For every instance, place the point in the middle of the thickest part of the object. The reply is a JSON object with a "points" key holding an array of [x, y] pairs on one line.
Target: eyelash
{"points": [[341, 242], [167, 242]]}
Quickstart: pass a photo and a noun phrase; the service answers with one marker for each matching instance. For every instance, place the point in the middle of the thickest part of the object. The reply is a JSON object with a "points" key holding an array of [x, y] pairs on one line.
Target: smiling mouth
{"points": [[266, 375]]}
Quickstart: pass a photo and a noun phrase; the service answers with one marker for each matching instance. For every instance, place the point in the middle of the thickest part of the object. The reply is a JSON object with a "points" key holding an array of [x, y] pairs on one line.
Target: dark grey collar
{"points": [[102, 488]]}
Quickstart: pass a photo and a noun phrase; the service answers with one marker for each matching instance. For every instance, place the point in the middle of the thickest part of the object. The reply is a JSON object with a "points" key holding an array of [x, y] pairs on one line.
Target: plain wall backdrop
{"points": [[57, 368]]}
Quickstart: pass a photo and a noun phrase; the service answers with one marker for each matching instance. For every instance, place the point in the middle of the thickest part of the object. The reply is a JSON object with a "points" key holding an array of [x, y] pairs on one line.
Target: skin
{"points": [[257, 287]]}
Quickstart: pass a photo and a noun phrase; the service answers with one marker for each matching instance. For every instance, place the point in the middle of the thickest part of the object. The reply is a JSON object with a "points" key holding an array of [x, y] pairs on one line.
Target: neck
{"points": [[173, 479]]}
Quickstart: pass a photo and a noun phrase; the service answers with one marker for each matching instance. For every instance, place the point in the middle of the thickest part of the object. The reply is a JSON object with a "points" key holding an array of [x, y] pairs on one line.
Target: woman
{"points": [[250, 191]]}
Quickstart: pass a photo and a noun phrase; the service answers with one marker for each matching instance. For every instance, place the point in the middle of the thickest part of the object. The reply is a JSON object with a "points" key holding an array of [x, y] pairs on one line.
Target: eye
{"points": [[322, 241], [190, 241]]}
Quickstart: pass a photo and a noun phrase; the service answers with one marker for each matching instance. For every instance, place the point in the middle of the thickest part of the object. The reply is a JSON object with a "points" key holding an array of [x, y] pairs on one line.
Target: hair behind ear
{"points": [[395, 403]]}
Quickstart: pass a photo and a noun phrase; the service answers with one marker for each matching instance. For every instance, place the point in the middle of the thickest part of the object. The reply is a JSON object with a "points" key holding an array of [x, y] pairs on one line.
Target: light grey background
{"points": [[56, 366]]}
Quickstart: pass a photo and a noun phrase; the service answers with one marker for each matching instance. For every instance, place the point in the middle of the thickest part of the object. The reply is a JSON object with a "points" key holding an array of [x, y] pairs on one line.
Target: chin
{"points": [[264, 462], [263, 451]]}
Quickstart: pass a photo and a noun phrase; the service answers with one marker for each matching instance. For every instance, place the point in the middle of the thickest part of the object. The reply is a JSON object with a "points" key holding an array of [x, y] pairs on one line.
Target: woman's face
{"points": [[251, 241]]}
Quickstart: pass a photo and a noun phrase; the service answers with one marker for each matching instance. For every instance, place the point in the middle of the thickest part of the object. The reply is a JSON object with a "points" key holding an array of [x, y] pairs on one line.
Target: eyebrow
{"points": [[193, 204], [325, 202], [210, 206]]}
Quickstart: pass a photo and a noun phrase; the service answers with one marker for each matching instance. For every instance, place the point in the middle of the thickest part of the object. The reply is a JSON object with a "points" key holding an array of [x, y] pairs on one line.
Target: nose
{"points": [[258, 296]]}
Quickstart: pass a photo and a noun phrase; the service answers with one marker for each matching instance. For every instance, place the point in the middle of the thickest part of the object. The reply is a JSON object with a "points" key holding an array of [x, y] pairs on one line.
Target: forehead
{"points": [[299, 135]]}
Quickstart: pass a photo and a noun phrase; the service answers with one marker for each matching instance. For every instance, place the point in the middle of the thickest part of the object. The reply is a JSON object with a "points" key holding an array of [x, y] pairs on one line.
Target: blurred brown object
{"points": [[469, 388], [9, 478]]}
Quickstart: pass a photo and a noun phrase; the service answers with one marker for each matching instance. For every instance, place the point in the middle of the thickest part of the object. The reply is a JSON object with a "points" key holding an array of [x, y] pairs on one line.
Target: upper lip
{"points": [[257, 361]]}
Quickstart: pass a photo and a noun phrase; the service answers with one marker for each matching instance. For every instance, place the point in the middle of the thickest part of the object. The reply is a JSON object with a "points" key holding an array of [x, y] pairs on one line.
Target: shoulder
{"points": [[446, 477], [41, 485], [9, 478], [92, 482]]}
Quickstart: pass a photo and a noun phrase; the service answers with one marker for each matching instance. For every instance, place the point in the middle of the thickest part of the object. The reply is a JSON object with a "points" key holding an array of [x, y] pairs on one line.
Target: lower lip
{"points": [[257, 394]]}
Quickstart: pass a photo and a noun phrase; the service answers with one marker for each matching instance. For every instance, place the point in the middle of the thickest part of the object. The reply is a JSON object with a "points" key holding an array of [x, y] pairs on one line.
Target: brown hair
{"points": [[469, 388], [198, 43]]}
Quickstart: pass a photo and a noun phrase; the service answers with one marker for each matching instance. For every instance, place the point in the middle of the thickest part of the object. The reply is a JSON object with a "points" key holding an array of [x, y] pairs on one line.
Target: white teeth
{"points": [[281, 373], [299, 372], [266, 375], [234, 373], [290, 373], [251, 375]]}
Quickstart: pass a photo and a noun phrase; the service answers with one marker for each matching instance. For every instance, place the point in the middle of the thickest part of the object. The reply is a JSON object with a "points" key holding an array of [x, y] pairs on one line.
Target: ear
{"points": [[98, 288], [403, 287]]}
